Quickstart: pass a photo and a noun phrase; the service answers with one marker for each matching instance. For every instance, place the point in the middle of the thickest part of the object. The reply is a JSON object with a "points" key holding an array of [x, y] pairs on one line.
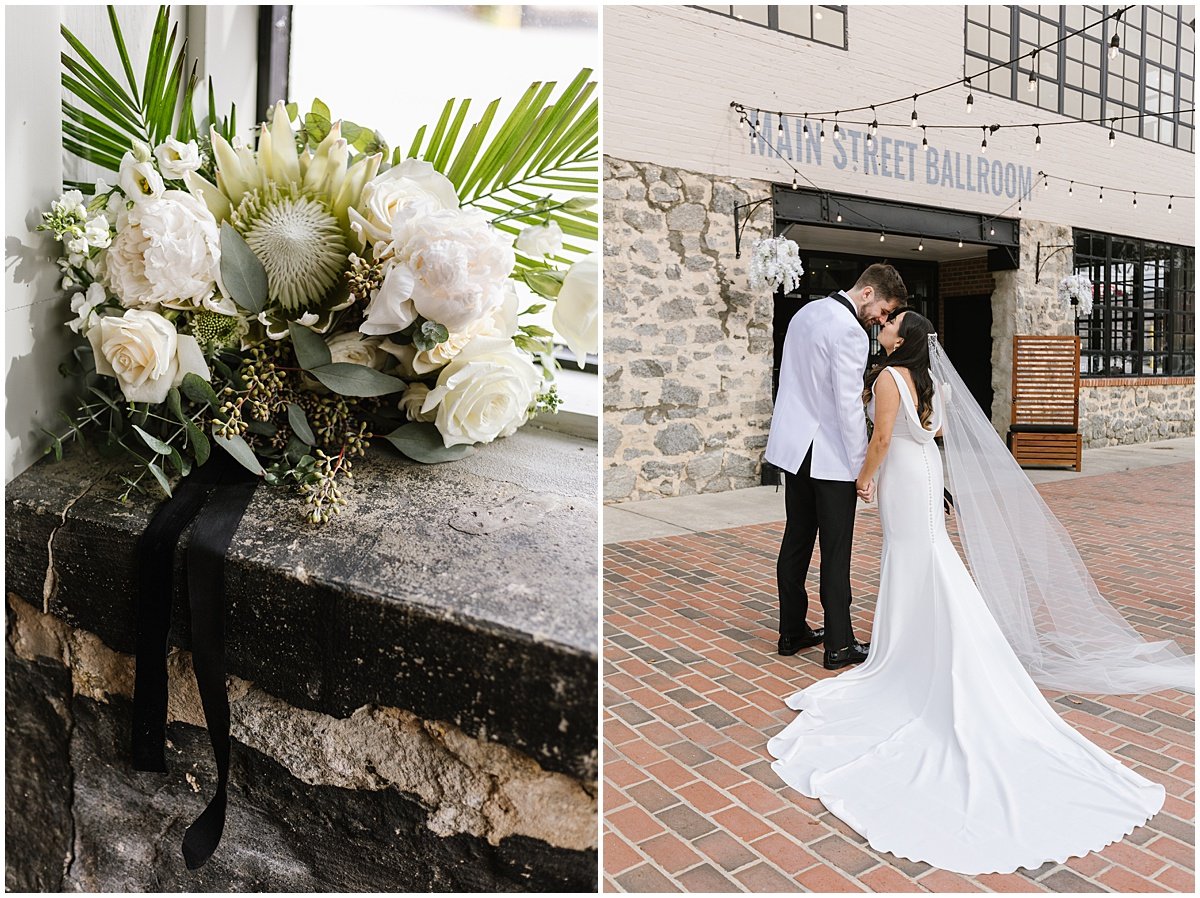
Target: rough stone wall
{"points": [[687, 344], [1116, 415]]}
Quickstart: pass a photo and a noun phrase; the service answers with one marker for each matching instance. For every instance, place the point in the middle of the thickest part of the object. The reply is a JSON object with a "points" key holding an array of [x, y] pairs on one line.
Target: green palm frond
{"points": [[111, 114], [541, 163]]}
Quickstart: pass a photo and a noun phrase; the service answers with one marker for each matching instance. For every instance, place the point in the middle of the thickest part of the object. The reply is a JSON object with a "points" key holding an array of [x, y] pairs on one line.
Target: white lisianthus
{"points": [[541, 240], [484, 393], [84, 307], [356, 350], [411, 186], [176, 157], [98, 233], [576, 311], [145, 353], [412, 400], [391, 308], [458, 262], [140, 180], [168, 252]]}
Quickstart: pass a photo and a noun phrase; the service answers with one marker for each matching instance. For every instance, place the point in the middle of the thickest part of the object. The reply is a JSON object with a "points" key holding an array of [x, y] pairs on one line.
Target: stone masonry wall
{"points": [[687, 345], [1137, 411]]}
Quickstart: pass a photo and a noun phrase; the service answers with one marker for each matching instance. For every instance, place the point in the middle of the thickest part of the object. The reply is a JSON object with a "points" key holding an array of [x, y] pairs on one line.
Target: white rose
{"points": [[541, 240], [391, 308], [576, 311], [412, 185], [140, 180], [98, 233], [412, 400], [351, 348], [484, 393], [84, 307], [146, 355], [459, 264], [175, 157], [168, 252]]}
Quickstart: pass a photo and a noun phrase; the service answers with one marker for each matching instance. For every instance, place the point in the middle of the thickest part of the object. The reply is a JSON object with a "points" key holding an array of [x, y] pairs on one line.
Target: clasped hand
{"points": [[866, 490]]}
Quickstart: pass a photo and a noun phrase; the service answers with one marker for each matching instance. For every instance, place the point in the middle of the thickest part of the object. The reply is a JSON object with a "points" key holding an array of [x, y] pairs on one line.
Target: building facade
{"points": [[982, 235]]}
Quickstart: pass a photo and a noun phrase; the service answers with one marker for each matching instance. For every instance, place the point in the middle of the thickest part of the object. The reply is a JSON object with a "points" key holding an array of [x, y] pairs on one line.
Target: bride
{"points": [[940, 748]]}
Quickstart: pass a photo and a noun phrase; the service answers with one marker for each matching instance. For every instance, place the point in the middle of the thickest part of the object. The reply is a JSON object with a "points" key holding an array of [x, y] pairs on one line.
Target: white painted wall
{"points": [[35, 309], [670, 73]]}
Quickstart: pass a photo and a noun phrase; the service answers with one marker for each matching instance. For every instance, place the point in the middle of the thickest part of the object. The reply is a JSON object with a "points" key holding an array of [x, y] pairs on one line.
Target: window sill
{"points": [[1137, 381]]}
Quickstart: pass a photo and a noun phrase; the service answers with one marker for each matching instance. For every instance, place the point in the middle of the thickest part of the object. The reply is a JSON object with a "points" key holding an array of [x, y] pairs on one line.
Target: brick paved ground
{"points": [[693, 688]]}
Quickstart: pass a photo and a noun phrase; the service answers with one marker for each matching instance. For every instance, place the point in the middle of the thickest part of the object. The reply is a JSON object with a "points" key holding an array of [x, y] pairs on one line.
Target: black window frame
{"points": [[1143, 321], [772, 22], [1122, 85]]}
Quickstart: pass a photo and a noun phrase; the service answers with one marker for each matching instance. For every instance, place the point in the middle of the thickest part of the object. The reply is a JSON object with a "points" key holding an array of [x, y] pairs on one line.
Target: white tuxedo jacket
{"points": [[819, 403]]}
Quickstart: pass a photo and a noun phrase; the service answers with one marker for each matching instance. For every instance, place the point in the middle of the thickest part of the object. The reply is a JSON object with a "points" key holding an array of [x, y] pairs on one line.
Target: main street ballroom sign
{"points": [[890, 157]]}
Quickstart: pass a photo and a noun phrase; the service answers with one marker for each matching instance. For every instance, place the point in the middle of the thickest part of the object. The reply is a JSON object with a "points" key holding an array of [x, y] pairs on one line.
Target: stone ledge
{"points": [[463, 592]]}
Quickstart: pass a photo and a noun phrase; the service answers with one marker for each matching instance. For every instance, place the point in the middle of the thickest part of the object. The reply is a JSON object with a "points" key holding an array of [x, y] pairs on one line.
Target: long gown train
{"points": [[939, 747]]}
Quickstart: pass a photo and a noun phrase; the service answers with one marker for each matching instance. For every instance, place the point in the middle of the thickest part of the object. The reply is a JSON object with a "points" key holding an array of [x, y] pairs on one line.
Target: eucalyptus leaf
{"points": [[242, 272], [197, 389], [201, 448], [347, 379], [311, 351], [241, 452], [429, 335], [422, 442], [176, 406], [153, 442], [262, 428], [160, 477], [298, 421]]}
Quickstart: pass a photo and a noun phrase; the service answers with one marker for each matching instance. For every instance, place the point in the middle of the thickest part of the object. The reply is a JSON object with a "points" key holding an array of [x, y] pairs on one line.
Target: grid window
{"points": [[1144, 315], [1153, 72], [822, 24]]}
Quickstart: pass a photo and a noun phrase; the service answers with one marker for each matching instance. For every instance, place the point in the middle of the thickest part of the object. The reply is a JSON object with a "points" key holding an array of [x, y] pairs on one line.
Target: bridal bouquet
{"points": [[294, 296], [1076, 290], [775, 261]]}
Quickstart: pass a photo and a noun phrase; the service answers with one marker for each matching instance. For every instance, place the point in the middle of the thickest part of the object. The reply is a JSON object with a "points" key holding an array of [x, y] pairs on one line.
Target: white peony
{"points": [[175, 157], [350, 347], [146, 355], [84, 307], [168, 252], [413, 185], [576, 311], [502, 322], [412, 400], [484, 393], [458, 262], [391, 308], [541, 240], [140, 181]]}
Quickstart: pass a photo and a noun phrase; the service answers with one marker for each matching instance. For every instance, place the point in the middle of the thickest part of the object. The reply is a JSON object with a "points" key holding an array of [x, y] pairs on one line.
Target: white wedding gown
{"points": [[939, 747]]}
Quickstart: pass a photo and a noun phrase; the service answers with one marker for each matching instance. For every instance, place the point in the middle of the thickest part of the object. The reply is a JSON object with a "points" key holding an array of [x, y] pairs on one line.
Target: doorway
{"points": [[968, 343]]}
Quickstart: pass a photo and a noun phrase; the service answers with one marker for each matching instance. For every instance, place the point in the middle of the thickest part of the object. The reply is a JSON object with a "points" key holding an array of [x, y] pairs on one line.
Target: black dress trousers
{"points": [[821, 509]]}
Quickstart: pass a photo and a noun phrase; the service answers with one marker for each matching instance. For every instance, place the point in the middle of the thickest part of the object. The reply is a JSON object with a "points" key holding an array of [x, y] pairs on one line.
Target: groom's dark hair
{"points": [[885, 280]]}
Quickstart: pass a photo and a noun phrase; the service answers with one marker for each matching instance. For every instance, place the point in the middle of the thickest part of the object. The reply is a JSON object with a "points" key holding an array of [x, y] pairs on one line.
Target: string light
{"points": [[1102, 194], [836, 129], [1045, 181], [1135, 199], [960, 241], [1115, 43], [983, 146], [882, 237], [781, 124], [795, 183], [1071, 189], [913, 123], [1033, 72], [921, 245], [839, 215], [806, 124], [1170, 203], [924, 138], [1037, 143], [1112, 132], [992, 232], [874, 121], [822, 130], [970, 97]]}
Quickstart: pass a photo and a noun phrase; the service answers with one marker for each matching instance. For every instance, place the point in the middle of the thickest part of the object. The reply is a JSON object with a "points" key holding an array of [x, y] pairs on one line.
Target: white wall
{"points": [[670, 73], [36, 339]]}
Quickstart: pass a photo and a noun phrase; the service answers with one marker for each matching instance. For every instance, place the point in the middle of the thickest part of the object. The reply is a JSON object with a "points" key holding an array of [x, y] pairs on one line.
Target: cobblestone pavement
{"points": [[693, 688]]}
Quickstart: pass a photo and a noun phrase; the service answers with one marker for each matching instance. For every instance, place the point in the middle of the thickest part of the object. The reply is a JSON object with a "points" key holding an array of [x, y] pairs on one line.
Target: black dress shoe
{"points": [[855, 653], [789, 645]]}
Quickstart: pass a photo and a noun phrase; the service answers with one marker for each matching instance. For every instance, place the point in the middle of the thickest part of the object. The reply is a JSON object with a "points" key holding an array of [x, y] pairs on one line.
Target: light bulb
{"points": [[781, 123], [822, 130], [960, 243], [970, 97], [1071, 189], [1112, 47], [1102, 194], [839, 216], [920, 246], [874, 121], [1170, 203], [882, 237], [924, 137], [913, 123], [991, 232], [795, 183], [1135, 199]]}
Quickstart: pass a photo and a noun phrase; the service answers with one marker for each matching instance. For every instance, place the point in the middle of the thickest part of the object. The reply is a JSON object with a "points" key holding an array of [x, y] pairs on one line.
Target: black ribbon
{"points": [[215, 495]]}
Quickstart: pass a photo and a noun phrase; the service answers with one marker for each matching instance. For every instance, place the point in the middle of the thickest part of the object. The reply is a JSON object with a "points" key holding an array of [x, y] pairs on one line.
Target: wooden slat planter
{"points": [[1045, 402]]}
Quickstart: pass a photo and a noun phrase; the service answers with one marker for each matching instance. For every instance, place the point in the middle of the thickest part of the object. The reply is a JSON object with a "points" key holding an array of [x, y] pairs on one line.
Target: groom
{"points": [[819, 439]]}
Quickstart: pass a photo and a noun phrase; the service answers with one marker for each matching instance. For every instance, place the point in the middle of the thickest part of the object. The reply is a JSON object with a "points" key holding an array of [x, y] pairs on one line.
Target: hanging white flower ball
{"points": [[1077, 290], [775, 261]]}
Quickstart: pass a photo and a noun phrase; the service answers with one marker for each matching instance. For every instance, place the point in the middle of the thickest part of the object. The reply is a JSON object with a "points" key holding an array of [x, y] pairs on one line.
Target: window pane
{"points": [[1073, 103], [756, 14], [796, 19], [830, 28], [1091, 79], [1091, 107], [977, 39]]}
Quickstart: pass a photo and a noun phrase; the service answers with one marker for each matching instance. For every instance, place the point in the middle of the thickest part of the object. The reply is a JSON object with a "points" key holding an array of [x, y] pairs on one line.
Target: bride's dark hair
{"points": [[912, 354]]}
